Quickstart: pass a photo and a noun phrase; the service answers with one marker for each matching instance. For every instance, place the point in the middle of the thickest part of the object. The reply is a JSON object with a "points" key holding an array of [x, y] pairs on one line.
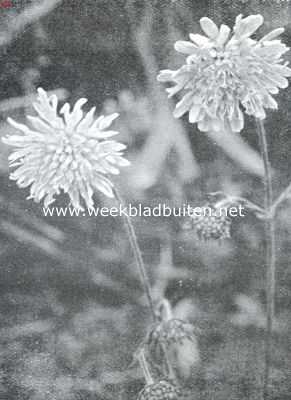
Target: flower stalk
{"points": [[144, 366], [270, 256], [228, 201], [282, 197], [137, 255], [145, 282]]}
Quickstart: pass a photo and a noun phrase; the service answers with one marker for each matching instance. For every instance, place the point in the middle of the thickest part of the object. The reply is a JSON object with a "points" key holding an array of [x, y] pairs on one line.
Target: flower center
{"points": [[67, 150]]}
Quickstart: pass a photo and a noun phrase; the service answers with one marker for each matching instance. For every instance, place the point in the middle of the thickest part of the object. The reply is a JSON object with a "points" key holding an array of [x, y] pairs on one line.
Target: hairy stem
{"points": [[137, 255], [270, 257]]}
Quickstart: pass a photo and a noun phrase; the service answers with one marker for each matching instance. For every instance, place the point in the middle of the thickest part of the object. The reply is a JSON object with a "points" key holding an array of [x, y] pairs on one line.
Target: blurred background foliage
{"points": [[72, 308]]}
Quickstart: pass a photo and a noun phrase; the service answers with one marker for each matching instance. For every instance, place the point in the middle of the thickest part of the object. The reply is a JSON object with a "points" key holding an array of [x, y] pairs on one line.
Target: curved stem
{"points": [[137, 255], [270, 256], [239, 200]]}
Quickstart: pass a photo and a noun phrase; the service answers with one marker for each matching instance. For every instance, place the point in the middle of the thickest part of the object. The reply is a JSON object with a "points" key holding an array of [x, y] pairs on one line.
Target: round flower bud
{"points": [[162, 390], [213, 225], [171, 331]]}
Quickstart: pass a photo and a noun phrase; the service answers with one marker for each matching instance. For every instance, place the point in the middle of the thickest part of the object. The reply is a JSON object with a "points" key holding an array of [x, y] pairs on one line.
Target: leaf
{"points": [[239, 151]]}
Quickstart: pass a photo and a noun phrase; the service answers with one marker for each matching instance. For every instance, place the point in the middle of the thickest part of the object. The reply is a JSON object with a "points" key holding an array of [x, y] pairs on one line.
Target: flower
{"points": [[162, 390], [211, 225], [65, 151], [225, 75], [171, 331]]}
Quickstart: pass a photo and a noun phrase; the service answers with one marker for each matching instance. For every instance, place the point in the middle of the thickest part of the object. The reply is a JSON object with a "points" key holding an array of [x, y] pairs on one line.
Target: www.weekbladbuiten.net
{"points": [[140, 210]]}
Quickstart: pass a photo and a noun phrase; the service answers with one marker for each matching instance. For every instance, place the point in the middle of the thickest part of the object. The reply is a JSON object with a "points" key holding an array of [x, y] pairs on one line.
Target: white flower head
{"points": [[65, 151], [227, 73]]}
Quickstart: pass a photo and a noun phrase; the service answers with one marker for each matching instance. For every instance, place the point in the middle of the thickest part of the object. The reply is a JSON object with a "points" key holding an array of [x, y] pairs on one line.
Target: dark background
{"points": [[72, 311]]}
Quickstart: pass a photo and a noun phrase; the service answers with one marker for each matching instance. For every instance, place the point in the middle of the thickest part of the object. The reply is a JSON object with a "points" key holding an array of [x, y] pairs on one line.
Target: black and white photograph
{"points": [[145, 200]]}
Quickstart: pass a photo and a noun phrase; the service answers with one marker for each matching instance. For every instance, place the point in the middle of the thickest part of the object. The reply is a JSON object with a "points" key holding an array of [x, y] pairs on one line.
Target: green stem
{"points": [[270, 257], [137, 255]]}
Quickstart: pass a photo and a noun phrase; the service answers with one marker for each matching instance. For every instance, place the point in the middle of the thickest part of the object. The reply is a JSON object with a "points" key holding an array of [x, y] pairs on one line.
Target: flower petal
{"points": [[223, 35], [104, 185], [87, 121], [194, 113], [166, 75], [200, 40], [105, 122], [184, 105], [40, 125], [245, 27], [185, 47], [209, 27], [273, 34]]}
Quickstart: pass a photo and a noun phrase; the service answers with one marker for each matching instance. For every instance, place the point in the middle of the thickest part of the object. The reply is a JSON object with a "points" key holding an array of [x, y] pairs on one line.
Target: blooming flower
{"points": [[226, 73], [65, 151]]}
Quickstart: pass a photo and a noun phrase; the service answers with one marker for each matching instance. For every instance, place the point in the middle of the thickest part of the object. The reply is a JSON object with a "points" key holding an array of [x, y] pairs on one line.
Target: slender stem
{"points": [[270, 257], [147, 288], [239, 200], [283, 196], [166, 315], [137, 255], [145, 368], [168, 362]]}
